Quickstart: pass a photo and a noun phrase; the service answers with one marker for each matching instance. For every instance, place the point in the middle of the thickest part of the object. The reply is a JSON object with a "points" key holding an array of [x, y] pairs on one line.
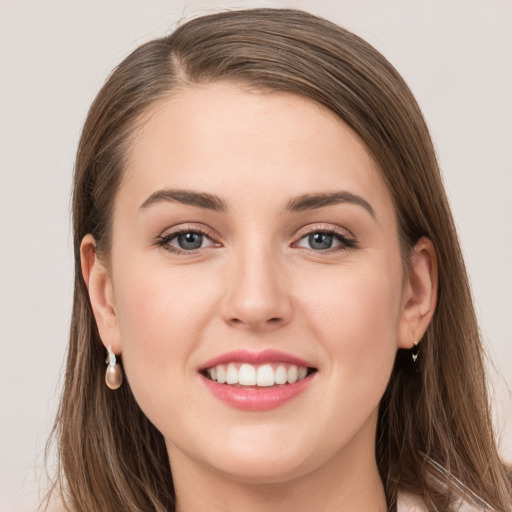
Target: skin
{"points": [[256, 284]]}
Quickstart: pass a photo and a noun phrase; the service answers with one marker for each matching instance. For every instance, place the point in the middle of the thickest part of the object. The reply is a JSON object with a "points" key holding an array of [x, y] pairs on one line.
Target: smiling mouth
{"points": [[238, 374]]}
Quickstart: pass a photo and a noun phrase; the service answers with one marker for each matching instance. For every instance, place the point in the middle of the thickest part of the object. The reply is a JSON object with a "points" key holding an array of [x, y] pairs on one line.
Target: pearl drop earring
{"points": [[114, 374]]}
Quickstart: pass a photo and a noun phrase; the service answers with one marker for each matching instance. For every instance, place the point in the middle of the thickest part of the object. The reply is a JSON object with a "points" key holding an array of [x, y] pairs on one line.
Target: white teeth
{"points": [[221, 374], [232, 374], [247, 375], [265, 375], [293, 374], [281, 375]]}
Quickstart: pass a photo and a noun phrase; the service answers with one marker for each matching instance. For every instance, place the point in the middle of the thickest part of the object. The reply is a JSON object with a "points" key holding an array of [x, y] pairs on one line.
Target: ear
{"points": [[419, 297], [101, 294]]}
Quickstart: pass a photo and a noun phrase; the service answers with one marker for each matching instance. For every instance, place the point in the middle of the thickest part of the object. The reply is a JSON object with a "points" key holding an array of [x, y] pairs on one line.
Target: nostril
{"points": [[272, 321]]}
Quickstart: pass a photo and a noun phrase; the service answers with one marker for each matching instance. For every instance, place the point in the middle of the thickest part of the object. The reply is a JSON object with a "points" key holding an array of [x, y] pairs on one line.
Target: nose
{"points": [[257, 296]]}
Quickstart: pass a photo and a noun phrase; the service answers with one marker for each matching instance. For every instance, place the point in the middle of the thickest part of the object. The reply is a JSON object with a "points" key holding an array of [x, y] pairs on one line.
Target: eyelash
{"points": [[346, 242], [165, 240]]}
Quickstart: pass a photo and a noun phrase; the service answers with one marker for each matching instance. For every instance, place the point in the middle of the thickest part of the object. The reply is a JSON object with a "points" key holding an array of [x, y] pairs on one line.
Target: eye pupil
{"points": [[320, 240], [190, 240]]}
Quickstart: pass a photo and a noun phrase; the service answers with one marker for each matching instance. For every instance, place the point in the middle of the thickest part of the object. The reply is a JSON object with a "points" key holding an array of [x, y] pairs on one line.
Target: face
{"points": [[254, 240]]}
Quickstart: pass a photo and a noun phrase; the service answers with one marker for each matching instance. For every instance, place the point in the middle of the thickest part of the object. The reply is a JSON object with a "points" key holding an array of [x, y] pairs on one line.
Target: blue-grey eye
{"points": [[324, 240], [185, 241], [320, 241], [189, 241]]}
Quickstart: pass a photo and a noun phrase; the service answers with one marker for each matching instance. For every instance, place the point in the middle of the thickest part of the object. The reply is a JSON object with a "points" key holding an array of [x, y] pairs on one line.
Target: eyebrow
{"points": [[314, 201], [296, 204], [189, 197]]}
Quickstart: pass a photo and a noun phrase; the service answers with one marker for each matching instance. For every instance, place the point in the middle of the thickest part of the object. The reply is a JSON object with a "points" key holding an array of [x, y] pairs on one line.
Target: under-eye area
{"points": [[262, 375]]}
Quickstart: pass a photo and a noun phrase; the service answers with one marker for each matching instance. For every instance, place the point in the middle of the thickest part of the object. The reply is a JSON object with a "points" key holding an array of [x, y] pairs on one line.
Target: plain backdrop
{"points": [[54, 56]]}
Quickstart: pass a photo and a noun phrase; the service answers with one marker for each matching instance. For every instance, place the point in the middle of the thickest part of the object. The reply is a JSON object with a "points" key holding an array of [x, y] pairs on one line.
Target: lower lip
{"points": [[257, 399]]}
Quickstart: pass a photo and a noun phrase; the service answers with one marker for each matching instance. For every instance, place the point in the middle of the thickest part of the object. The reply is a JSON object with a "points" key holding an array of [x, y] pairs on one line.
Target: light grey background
{"points": [[54, 56]]}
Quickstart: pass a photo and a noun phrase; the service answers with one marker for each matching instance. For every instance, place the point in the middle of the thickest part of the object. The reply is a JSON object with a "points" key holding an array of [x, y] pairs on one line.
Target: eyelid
{"points": [[188, 228], [329, 228]]}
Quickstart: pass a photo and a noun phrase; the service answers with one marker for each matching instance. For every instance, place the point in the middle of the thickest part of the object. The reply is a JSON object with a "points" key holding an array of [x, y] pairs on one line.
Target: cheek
{"points": [[355, 317], [161, 316], [156, 304]]}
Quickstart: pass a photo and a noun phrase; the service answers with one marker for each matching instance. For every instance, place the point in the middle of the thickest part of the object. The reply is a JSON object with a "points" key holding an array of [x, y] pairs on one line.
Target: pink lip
{"points": [[265, 356], [256, 399], [251, 398]]}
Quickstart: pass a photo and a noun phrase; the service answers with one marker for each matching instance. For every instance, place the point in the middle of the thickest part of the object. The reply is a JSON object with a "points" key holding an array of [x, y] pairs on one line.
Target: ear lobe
{"points": [[419, 294], [101, 294]]}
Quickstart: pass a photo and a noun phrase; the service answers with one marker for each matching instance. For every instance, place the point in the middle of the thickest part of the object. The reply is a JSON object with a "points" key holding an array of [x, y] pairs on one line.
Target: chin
{"points": [[263, 471], [264, 462]]}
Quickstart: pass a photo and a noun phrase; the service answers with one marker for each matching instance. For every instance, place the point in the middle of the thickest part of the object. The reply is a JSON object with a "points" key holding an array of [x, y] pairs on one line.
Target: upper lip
{"points": [[264, 356]]}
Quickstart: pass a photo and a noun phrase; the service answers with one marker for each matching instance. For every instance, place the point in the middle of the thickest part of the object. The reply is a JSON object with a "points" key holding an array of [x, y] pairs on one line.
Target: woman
{"points": [[264, 246]]}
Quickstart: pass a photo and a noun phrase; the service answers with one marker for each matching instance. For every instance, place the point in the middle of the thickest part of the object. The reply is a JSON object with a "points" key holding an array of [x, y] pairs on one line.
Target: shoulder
{"points": [[53, 502], [463, 498], [408, 502]]}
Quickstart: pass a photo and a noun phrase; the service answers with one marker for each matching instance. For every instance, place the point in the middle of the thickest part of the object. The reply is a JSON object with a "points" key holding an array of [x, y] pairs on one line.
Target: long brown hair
{"points": [[111, 456]]}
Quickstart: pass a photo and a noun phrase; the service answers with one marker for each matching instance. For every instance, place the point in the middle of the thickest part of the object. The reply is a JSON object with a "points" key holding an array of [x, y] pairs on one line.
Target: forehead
{"points": [[226, 140]]}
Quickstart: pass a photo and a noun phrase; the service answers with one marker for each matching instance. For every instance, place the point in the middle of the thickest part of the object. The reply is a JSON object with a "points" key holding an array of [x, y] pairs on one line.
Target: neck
{"points": [[347, 481]]}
